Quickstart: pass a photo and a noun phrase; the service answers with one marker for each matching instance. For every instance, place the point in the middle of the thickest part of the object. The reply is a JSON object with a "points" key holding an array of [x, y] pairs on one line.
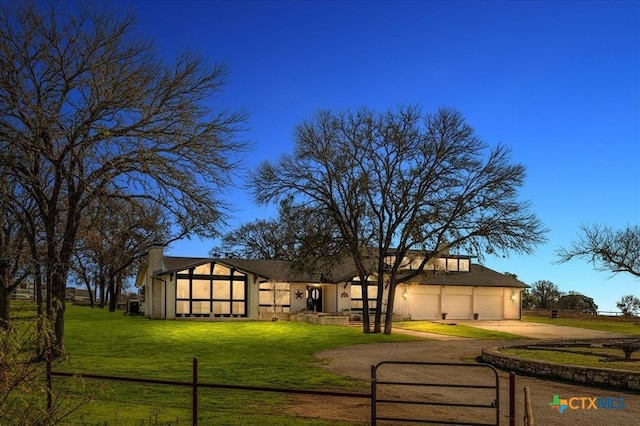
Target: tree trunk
{"points": [[56, 309], [95, 286], [88, 284], [37, 288], [388, 320], [103, 295], [366, 318], [111, 290], [377, 327], [5, 306]]}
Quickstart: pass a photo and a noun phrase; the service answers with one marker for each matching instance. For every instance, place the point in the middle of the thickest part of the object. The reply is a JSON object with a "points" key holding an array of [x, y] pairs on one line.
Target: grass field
{"points": [[588, 357], [459, 330], [270, 354], [631, 327]]}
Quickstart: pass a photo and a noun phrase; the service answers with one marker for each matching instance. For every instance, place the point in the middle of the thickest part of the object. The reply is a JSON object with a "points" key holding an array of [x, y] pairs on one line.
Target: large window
{"points": [[275, 297], [357, 301], [211, 289]]}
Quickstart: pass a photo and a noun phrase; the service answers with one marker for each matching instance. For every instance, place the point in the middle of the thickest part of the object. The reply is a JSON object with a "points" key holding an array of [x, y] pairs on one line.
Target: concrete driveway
{"points": [[540, 331]]}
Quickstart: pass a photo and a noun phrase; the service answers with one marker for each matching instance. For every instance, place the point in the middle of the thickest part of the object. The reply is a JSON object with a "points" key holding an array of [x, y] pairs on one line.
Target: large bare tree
{"points": [[90, 111], [299, 233], [114, 236], [400, 182], [607, 249], [14, 251]]}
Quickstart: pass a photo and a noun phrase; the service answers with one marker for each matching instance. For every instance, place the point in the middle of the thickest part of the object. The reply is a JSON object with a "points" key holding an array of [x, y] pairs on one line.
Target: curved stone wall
{"points": [[605, 378]]}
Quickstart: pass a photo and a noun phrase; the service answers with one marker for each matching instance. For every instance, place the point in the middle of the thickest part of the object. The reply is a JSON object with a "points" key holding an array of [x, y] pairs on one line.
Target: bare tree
{"points": [[400, 182], [629, 305], [300, 234], [90, 112], [544, 294], [114, 236], [608, 250], [14, 263]]}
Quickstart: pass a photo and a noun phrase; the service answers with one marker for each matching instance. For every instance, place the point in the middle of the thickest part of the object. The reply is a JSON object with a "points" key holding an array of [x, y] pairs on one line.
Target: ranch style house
{"points": [[235, 289]]}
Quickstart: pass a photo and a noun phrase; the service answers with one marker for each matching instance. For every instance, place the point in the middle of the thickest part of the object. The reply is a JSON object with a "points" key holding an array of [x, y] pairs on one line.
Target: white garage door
{"points": [[489, 307], [458, 306], [424, 303]]}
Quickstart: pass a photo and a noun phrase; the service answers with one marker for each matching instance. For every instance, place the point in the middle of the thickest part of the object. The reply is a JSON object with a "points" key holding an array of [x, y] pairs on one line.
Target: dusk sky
{"points": [[557, 82]]}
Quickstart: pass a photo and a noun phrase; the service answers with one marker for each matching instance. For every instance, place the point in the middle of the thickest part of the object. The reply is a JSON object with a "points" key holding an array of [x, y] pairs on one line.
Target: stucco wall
{"points": [[427, 302]]}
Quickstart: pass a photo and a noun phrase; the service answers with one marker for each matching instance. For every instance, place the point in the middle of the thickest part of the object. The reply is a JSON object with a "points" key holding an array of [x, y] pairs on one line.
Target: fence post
{"points": [[194, 396], [528, 409], [512, 399], [373, 395], [49, 380]]}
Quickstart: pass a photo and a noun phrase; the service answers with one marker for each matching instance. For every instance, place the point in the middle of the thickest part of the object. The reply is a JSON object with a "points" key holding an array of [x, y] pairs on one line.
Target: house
{"points": [[24, 291], [78, 295], [210, 288]]}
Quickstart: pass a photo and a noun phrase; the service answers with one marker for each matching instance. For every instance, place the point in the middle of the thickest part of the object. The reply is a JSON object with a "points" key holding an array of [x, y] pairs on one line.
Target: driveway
{"points": [[535, 330], [356, 362]]}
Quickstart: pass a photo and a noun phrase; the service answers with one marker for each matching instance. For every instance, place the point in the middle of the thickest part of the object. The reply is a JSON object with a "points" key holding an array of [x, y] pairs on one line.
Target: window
{"points": [[211, 289], [357, 302], [275, 297]]}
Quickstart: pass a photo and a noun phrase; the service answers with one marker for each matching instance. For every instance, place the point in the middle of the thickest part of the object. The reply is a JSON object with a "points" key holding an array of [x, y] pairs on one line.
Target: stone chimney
{"points": [[443, 249], [155, 258]]}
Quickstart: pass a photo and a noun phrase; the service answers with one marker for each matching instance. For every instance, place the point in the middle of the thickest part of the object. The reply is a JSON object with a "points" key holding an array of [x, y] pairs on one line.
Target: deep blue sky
{"points": [[558, 82]]}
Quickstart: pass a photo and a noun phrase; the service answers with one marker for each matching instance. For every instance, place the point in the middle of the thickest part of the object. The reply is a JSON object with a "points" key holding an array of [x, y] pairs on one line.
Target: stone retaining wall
{"points": [[323, 319], [606, 378]]}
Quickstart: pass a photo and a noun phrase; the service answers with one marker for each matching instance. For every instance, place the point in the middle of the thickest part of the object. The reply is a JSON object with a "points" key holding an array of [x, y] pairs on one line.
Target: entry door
{"points": [[314, 299]]}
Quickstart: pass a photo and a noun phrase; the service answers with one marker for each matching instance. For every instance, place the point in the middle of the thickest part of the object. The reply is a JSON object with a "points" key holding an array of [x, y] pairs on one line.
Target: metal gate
{"points": [[421, 392]]}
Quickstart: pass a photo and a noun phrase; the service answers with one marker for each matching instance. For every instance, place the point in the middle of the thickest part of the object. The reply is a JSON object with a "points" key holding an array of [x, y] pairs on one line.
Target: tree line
{"points": [[544, 294], [104, 148]]}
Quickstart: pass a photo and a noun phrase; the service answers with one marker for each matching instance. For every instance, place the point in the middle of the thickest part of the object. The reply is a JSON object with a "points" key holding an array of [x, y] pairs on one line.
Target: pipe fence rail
{"points": [[374, 395], [194, 384], [378, 402]]}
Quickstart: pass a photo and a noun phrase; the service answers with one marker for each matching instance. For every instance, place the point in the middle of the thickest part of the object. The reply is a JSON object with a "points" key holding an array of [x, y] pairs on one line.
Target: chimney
{"points": [[443, 249], [154, 258]]}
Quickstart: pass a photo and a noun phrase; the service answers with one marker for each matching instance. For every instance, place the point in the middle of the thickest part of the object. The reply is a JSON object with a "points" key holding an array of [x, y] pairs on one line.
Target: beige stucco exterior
{"points": [[426, 302], [450, 286]]}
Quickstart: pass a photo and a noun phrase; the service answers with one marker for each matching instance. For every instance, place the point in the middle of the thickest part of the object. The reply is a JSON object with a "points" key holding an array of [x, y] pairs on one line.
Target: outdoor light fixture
{"points": [[513, 296], [405, 294]]}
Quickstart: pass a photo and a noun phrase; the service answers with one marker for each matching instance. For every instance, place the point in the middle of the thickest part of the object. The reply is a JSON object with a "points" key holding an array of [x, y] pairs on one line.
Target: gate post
{"points": [[194, 396], [373, 395], [512, 399]]}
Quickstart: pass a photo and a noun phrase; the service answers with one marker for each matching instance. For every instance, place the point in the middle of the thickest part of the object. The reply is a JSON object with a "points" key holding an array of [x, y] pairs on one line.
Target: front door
{"points": [[314, 299]]}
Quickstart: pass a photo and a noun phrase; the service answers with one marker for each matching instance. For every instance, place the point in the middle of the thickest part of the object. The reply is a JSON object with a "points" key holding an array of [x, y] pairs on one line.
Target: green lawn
{"points": [[584, 356], [631, 327], [271, 354], [454, 330], [588, 357]]}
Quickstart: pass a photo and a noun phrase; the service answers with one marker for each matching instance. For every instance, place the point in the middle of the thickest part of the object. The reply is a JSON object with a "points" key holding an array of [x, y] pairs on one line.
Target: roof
{"points": [[278, 270], [282, 270], [478, 275], [176, 263]]}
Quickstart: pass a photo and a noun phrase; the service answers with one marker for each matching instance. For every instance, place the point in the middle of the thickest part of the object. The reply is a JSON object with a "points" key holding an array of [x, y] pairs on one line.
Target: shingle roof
{"points": [[478, 275], [282, 270], [176, 263], [279, 270]]}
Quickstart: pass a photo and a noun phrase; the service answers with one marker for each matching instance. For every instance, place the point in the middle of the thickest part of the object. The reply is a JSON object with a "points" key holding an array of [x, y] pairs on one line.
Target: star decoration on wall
{"points": [[298, 294]]}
